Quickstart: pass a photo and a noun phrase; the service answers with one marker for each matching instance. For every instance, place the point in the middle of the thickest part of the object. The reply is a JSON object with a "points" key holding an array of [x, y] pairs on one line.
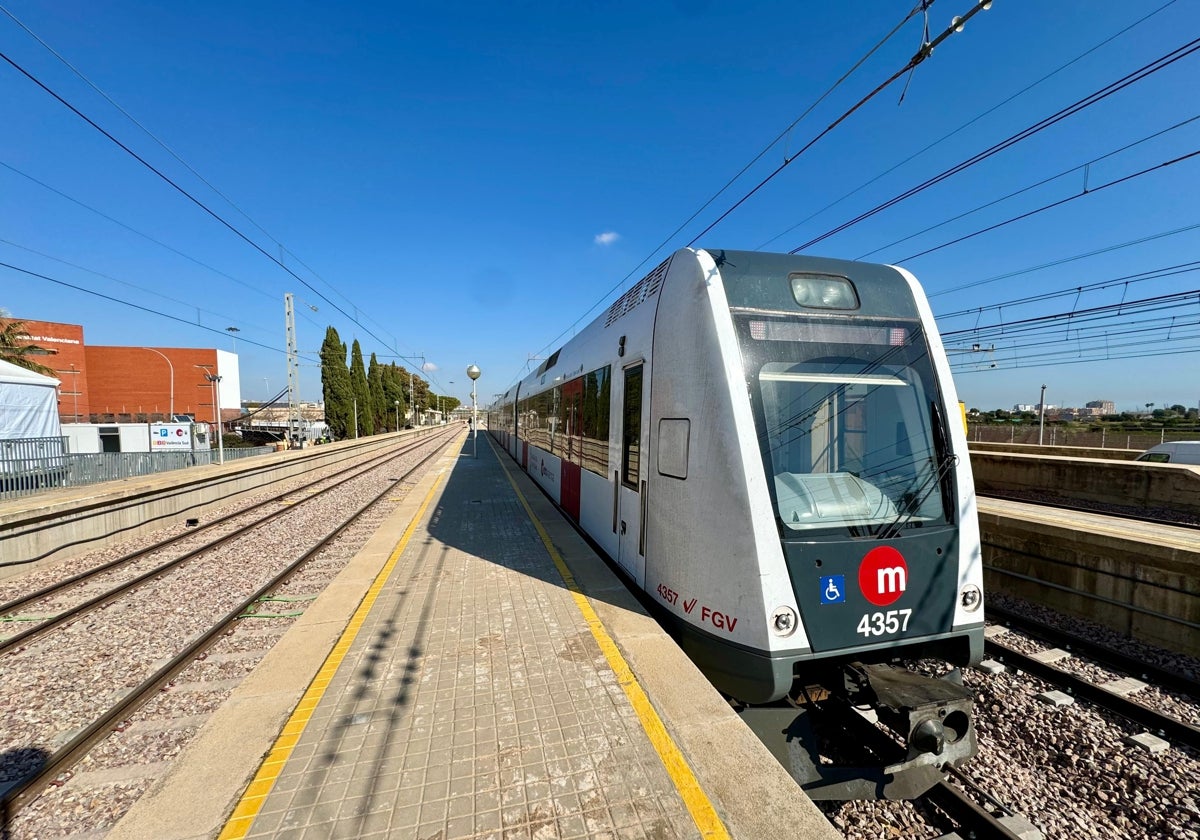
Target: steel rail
{"points": [[1162, 677], [1143, 715], [59, 587], [973, 819], [133, 583], [24, 791]]}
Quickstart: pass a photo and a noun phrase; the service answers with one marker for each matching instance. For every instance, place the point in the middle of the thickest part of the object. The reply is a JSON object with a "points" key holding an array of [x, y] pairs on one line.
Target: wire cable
{"points": [[967, 124], [1055, 263], [170, 151], [141, 289], [147, 309], [1100, 285], [926, 50], [1084, 166], [1091, 99], [923, 53], [1086, 193], [133, 230], [186, 194]]}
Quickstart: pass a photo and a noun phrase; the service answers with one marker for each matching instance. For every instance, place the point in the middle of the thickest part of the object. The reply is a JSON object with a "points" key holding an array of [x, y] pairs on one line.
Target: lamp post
{"points": [[172, 369], [1041, 415], [474, 372], [215, 381], [233, 331], [412, 406], [397, 402]]}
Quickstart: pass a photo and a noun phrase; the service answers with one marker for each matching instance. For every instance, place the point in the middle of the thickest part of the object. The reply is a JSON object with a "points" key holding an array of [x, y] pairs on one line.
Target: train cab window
{"points": [[849, 443]]}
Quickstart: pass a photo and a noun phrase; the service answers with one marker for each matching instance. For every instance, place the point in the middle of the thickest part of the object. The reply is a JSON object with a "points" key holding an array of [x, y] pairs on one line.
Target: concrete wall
{"points": [[1134, 485], [1133, 586], [50, 527]]}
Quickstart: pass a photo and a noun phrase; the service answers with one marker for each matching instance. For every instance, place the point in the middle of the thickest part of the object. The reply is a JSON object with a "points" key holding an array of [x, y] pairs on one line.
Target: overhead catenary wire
{"points": [[1064, 260], [132, 230], [1099, 285], [1074, 169], [1091, 334], [163, 145], [1085, 193], [147, 309], [216, 216], [140, 289], [1099, 95], [923, 53], [926, 50], [968, 123]]}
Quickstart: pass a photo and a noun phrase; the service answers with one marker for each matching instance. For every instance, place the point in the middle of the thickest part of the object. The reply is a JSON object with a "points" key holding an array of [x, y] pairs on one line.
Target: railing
{"points": [[37, 464], [1055, 436]]}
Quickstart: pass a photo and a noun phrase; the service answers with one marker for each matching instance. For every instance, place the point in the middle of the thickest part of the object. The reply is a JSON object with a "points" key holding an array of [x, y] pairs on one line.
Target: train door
{"points": [[572, 448], [631, 491]]}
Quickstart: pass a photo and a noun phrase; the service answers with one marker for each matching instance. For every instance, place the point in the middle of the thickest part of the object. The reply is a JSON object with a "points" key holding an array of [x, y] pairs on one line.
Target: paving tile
{"points": [[474, 701]]}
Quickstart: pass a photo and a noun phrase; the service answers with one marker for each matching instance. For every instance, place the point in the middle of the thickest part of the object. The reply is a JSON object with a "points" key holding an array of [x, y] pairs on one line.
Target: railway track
{"points": [[69, 747], [1168, 678], [229, 527], [1104, 696]]}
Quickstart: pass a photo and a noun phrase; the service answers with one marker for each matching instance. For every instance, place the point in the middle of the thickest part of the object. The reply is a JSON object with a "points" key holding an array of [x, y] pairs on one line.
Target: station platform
{"points": [[476, 672]]}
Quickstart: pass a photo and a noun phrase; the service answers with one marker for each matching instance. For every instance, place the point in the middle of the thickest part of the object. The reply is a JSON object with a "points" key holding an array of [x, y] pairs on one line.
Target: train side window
{"points": [[673, 447], [631, 437], [595, 425]]}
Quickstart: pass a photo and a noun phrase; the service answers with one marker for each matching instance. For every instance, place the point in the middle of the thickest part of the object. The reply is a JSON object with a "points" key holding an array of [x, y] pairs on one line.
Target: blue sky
{"points": [[460, 183]]}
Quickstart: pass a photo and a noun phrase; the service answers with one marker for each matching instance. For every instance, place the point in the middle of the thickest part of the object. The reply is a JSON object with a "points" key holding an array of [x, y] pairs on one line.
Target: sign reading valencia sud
{"points": [[170, 436]]}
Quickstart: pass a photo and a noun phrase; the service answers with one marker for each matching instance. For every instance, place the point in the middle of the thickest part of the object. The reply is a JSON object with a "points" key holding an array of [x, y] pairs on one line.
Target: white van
{"points": [[1179, 452]]}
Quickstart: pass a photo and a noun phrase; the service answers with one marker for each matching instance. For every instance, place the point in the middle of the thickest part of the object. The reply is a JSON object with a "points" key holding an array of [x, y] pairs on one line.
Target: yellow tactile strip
{"points": [[256, 792], [695, 800]]}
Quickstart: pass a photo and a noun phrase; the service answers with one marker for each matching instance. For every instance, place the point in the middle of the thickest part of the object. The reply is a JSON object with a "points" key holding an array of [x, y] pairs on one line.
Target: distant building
{"points": [[102, 384], [1101, 407]]}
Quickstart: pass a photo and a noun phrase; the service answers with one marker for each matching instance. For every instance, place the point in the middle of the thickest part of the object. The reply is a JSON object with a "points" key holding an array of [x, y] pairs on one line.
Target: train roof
{"points": [[751, 280]]}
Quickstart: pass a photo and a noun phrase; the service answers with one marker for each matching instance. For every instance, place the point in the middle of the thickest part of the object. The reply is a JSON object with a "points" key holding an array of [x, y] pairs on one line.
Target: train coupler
{"points": [[835, 752]]}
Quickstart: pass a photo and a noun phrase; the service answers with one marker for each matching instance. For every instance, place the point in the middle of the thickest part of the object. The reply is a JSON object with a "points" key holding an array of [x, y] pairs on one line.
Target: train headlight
{"points": [[823, 291], [783, 621], [971, 598]]}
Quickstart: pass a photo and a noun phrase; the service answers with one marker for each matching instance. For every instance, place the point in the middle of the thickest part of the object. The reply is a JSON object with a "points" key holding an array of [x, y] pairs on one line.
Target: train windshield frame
{"points": [[848, 426]]}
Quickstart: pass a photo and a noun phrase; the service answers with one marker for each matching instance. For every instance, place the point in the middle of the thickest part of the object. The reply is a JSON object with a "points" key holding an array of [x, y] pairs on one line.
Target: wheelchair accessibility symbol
{"points": [[833, 589]]}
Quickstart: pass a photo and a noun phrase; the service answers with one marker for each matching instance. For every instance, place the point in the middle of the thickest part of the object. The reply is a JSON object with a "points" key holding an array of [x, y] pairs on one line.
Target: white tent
{"points": [[28, 403]]}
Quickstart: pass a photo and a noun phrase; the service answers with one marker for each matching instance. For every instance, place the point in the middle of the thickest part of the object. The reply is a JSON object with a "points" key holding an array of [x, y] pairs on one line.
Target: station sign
{"points": [[170, 437]]}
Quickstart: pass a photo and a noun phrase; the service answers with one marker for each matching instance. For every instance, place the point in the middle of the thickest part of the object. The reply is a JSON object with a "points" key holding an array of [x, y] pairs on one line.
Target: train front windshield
{"points": [[848, 424]]}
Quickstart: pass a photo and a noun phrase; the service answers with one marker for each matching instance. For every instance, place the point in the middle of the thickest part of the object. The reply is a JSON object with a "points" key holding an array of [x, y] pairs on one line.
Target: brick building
{"points": [[102, 384]]}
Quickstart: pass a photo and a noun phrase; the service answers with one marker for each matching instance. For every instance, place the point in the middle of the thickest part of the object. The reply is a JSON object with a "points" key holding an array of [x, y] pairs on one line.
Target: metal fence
{"points": [[37, 464], [1055, 436]]}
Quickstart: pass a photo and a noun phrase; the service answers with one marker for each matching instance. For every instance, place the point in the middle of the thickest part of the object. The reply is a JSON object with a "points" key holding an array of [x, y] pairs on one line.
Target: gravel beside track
{"points": [[53, 687], [1066, 769]]}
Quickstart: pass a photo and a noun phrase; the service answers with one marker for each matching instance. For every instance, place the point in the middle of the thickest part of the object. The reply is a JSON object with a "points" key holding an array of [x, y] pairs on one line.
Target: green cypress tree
{"points": [[335, 386], [361, 393], [393, 392], [379, 409]]}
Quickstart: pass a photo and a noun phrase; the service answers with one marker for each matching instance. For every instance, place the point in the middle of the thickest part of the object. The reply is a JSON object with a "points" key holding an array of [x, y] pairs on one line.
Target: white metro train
{"points": [[770, 447]]}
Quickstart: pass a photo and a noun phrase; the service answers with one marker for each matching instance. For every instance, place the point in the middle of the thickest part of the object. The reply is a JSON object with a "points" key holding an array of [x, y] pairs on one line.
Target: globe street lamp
{"points": [[397, 402], [474, 372]]}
